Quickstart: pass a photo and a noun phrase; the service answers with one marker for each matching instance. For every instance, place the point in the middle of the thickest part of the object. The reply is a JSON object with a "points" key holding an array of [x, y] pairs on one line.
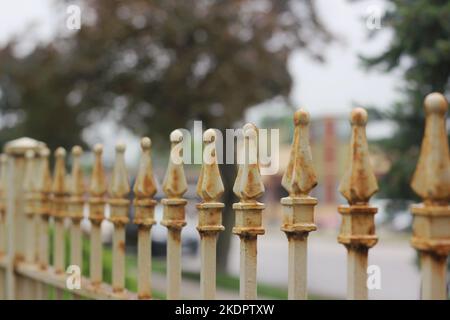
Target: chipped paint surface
{"points": [[431, 181], [144, 189], [210, 189], [298, 208], [248, 211], [174, 186], [119, 203], [300, 177], [358, 185], [359, 182]]}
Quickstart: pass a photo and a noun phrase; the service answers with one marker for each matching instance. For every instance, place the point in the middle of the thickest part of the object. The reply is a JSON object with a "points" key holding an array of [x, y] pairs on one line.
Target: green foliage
{"points": [[420, 48], [154, 66]]}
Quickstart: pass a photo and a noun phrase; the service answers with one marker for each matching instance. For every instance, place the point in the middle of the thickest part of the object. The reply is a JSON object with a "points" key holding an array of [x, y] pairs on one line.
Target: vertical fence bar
{"points": [[119, 203], [44, 186], [144, 190], [76, 209], [248, 223], [37, 221], [59, 213], [431, 181], [29, 189], [174, 187], [298, 208], [97, 203], [210, 189], [357, 231], [3, 247], [15, 211]]}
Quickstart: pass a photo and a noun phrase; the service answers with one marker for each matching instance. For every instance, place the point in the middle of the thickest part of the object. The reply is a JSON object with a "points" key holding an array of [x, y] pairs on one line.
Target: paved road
{"points": [[400, 278]]}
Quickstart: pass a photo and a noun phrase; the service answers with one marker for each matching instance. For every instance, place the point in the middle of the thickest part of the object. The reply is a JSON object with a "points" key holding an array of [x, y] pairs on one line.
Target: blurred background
{"points": [[131, 68]]}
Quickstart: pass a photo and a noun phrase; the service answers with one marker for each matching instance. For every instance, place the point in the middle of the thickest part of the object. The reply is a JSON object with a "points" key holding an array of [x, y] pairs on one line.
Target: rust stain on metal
{"points": [[248, 222], [121, 246], [248, 185], [300, 177], [431, 181], [210, 186], [175, 184], [359, 182], [98, 182], [145, 185]]}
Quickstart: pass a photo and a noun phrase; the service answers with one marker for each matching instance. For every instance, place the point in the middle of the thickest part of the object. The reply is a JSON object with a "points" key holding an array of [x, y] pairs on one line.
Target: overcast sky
{"points": [[330, 88]]}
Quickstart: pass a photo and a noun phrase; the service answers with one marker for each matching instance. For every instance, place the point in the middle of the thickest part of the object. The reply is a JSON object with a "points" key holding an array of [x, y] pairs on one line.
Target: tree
{"points": [[420, 47], [158, 65]]}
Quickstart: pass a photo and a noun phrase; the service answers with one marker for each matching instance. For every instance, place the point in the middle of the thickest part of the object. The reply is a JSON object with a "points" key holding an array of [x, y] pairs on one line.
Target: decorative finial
{"points": [[44, 179], [28, 180], [300, 177], [76, 181], [431, 180], [59, 175], [145, 185], [98, 182], [248, 185], [359, 182], [175, 184], [120, 186], [210, 186]]}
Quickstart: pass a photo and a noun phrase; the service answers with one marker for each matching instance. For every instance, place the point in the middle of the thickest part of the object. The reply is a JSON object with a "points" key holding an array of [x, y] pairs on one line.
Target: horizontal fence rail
{"points": [[38, 208]]}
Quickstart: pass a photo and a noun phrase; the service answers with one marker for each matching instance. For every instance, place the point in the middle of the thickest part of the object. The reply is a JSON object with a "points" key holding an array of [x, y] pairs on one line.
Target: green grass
{"points": [[130, 264], [224, 281], [231, 283]]}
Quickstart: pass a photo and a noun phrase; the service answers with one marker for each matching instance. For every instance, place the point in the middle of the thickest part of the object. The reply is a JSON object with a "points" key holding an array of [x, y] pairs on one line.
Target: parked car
{"points": [[189, 236]]}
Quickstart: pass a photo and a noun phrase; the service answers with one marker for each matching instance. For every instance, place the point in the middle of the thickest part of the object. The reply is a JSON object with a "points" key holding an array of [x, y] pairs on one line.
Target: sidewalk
{"points": [[190, 289]]}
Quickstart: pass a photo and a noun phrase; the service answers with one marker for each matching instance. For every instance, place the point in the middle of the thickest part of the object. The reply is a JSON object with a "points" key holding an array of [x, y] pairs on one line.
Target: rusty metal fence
{"points": [[33, 201]]}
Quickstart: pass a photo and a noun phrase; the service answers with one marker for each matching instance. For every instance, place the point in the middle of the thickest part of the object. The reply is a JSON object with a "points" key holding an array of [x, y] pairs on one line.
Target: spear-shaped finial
{"points": [[59, 174], [359, 182], [120, 186], [248, 185], [175, 184], [98, 182], [145, 185], [210, 186], [76, 181], [144, 189], [300, 177], [44, 179], [431, 180], [28, 180]]}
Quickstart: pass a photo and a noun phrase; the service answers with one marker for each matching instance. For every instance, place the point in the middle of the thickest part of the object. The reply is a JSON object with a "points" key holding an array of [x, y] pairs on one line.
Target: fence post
{"points": [[210, 188], [3, 247], [76, 208], [431, 181], [96, 215], [43, 186], [29, 189], [174, 186], [357, 231], [15, 211], [119, 203], [144, 190], [248, 211], [59, 213], [298, 217]]}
